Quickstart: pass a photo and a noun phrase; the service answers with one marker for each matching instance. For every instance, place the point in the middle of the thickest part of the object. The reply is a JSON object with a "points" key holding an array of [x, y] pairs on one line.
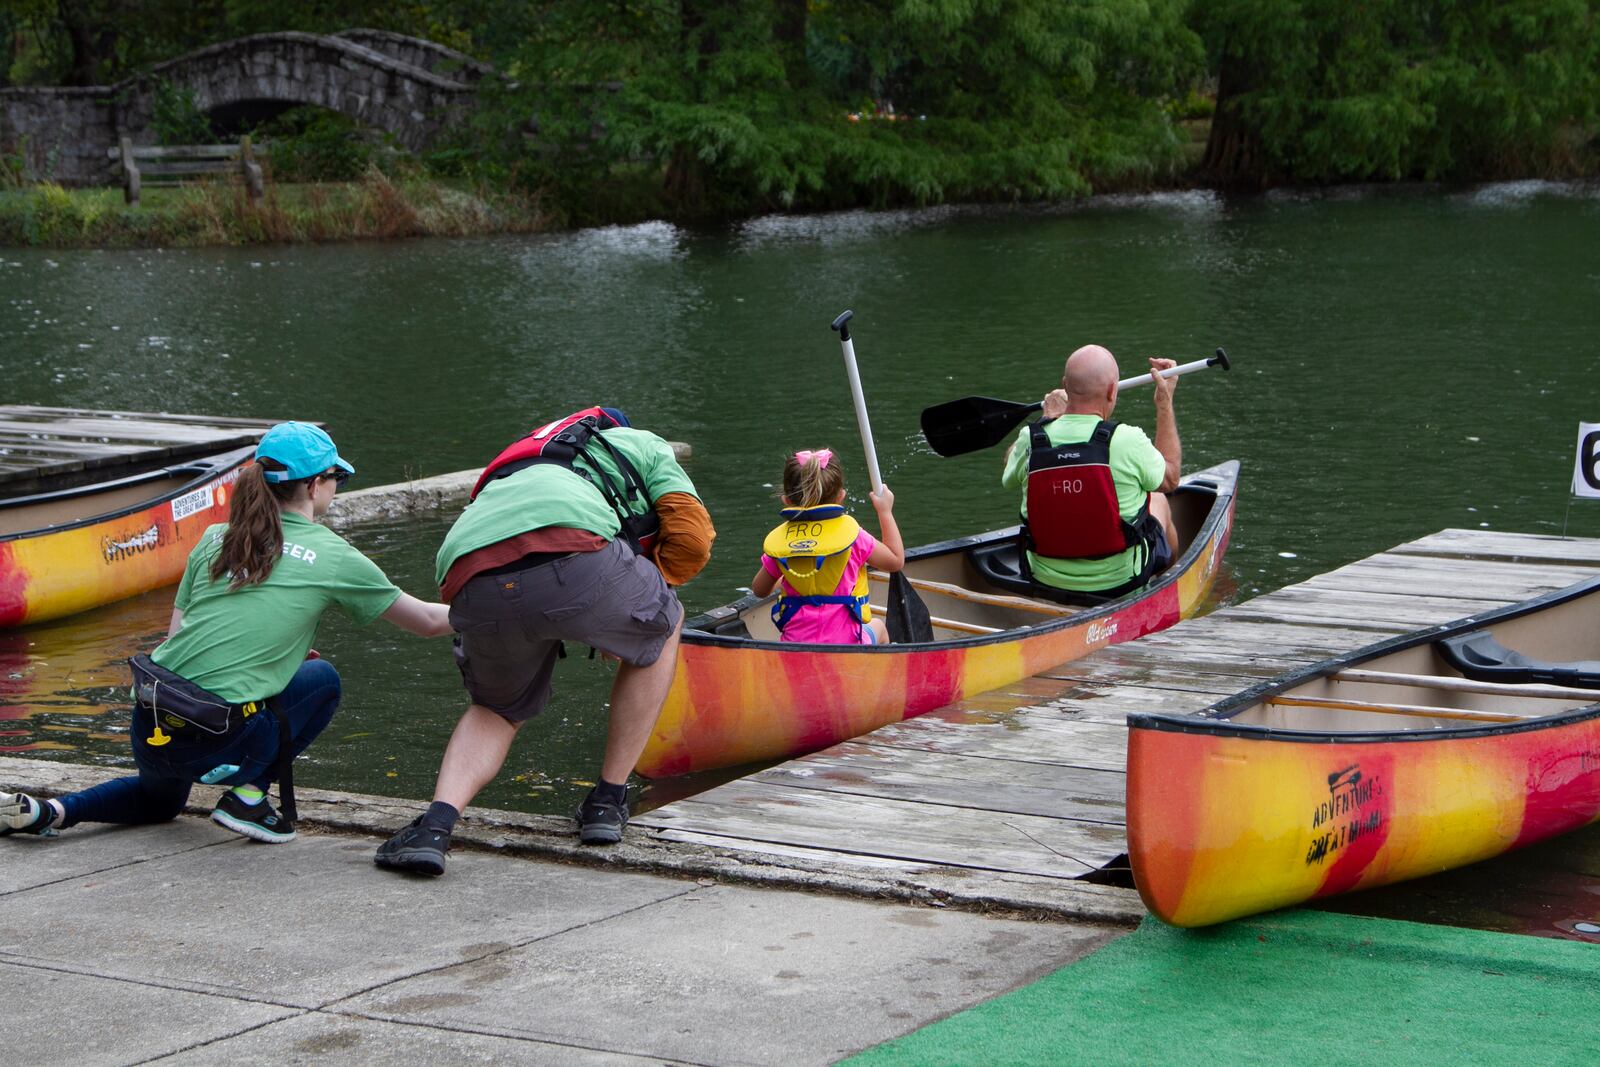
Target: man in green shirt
{"points": [[1142, 473], [541, 556]]}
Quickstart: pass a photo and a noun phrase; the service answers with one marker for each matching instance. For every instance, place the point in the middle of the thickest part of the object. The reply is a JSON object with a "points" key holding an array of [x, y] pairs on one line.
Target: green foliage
{"points": [[313, 144], [176, 119], [14, 164], [744, 107], [1388, 89]]}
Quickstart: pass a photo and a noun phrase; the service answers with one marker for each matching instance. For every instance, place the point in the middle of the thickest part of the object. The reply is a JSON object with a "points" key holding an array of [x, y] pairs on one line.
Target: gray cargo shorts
{"points": [[510, 626]]}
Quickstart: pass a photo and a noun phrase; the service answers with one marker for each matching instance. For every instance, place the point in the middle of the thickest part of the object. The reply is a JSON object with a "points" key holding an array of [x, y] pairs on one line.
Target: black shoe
{"points": [[259, 821], [600, 822], [22, 814], [416, 848]]}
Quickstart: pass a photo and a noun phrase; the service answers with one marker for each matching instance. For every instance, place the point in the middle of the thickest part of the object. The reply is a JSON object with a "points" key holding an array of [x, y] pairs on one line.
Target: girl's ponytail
{"points": [[812, 478], [254, 538]]}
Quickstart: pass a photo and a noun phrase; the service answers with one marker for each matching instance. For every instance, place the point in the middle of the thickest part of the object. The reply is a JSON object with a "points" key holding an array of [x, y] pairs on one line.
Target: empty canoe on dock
{"points": [[1422, 753], [741, 695], [66, 550]]}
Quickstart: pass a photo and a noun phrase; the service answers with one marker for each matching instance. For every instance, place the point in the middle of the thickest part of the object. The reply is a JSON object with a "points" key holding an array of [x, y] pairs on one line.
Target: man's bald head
{"points": [[1090, 378]]}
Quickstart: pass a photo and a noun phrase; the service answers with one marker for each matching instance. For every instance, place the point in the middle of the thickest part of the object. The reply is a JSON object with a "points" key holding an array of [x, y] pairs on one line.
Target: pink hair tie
{"points": [[823, 455]]}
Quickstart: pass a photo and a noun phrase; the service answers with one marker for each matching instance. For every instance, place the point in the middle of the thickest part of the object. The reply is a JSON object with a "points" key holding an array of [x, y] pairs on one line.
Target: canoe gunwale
{"points": [[1220, 482], [1216, 719], [204, 468]]}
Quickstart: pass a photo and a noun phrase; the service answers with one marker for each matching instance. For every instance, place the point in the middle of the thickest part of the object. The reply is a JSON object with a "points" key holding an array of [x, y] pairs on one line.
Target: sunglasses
{"points": [[339, 477]]}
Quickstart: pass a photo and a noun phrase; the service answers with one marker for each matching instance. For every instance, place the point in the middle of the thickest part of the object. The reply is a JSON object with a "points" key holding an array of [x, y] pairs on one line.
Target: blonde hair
{"points": [[805, 485]]}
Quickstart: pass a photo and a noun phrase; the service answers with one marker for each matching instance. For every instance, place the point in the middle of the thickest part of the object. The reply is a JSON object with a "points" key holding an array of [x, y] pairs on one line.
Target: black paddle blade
{"points": [[971, 423], [905, 613]]}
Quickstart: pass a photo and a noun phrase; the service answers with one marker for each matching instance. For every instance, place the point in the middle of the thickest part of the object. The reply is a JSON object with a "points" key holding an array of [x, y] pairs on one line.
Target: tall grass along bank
{"points": [[219, 213]]}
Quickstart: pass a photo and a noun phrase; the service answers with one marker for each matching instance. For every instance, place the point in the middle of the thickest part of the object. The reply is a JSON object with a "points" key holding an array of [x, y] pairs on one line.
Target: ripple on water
{"points": [[1518, 193], [839, 227]]}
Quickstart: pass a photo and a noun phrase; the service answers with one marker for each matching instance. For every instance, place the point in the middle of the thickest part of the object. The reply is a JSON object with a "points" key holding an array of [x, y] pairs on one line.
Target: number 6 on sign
{"points": [[1586, 473]]}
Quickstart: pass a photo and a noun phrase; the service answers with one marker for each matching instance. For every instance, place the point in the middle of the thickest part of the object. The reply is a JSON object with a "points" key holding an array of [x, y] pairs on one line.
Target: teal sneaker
{"points": [[22, 814], [259, 821]]}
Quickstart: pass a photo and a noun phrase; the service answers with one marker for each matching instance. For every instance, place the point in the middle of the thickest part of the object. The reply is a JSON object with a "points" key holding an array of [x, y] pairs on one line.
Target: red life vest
{"points": [[1072, 499], [562, 442]]}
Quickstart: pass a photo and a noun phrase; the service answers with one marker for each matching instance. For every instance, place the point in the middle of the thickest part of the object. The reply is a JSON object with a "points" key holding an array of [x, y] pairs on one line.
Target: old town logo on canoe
{"points": [[1101, 631], [1353, 810], [120, 546]]}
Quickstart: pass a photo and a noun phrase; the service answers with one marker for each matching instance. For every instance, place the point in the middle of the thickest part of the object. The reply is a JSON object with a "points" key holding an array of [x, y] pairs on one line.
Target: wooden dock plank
{"points": [[1499, 547], [898, 829], [989, 786], [46, 448], [959, 781]]}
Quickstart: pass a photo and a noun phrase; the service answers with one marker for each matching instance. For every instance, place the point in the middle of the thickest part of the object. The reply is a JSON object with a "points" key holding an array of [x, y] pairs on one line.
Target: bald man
{"points": [[1095, 511]]}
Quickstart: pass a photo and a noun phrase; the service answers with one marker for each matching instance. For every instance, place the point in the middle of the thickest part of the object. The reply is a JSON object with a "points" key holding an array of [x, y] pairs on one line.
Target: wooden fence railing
{"points": [[140, 165]]}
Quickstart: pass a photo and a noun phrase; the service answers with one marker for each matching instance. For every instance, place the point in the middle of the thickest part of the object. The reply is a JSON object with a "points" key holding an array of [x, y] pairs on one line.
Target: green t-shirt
{"points": [[246, 644], [547, 494], [1136, 469]]}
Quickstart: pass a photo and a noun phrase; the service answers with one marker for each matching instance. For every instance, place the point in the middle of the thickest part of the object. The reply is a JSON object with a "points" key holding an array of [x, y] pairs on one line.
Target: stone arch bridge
{"points": [[411, 88]]}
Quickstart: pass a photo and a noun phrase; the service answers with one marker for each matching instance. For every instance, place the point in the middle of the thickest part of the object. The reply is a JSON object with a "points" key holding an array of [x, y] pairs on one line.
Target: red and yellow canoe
{"points": [[72, 549], [742, 696], [1423, 753]]}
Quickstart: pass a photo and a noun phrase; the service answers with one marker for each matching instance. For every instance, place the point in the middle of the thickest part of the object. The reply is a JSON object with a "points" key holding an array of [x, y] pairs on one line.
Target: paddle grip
{"points": [[842, 325]]}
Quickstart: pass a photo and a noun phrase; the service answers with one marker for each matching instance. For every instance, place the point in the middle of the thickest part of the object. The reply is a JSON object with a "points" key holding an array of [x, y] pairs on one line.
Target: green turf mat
{"points": [[1293, 987]]}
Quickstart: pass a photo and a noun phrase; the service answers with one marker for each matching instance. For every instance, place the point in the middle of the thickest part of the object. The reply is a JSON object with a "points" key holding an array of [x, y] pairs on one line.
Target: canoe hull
{"points": [[1223, 826], [50, 573], [734, 702]]}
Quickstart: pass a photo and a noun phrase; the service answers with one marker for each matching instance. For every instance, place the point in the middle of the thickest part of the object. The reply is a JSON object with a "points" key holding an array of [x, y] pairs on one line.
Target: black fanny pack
{"points": [[179, 704], [197, 713]]}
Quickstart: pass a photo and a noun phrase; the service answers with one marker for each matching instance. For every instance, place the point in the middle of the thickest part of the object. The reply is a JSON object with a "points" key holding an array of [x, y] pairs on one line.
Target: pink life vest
{"points": [[1072, 499]]}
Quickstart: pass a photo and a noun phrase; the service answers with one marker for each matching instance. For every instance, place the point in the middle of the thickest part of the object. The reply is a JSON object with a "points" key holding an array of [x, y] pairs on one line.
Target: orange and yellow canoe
{"points": [[1419, 754], [72, 549], [743, 696]]}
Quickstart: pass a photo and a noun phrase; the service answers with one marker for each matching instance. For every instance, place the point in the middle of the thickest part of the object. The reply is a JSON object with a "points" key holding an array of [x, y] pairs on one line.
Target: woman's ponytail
{"points": [[254, 538]]}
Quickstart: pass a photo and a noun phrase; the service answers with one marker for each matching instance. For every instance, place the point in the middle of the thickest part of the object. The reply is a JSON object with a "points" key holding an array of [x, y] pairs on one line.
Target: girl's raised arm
{"points": [[890, 553]]}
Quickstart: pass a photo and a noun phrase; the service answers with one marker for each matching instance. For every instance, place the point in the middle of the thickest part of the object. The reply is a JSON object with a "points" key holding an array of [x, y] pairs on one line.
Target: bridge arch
{"points": [[408, 87], [410, 102]]}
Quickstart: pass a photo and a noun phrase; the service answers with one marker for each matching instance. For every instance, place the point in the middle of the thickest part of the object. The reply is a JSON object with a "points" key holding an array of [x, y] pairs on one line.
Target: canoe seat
{"points": [[1477, 655], [1000, 566]]}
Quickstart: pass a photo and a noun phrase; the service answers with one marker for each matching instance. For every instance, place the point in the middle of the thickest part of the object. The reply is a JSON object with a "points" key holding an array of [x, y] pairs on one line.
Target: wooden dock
{"points": [[1012, 798], [72, 446]]}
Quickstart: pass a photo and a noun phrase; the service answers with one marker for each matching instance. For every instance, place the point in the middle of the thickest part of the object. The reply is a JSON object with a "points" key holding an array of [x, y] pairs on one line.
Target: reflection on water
{"points": [[1404, 361]]}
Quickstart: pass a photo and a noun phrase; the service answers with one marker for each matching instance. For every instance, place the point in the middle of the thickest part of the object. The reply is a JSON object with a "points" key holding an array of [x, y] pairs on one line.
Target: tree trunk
{"points": [[1233, 154]]}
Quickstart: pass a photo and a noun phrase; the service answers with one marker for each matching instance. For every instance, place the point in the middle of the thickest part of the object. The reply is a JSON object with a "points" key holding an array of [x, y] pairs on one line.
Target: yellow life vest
{"points": [[812, 548]]}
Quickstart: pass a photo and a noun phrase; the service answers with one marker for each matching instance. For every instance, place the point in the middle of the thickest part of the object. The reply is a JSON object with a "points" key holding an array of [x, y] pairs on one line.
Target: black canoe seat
{"points": [[1477, 655], [1000, 566], [724, 621]]}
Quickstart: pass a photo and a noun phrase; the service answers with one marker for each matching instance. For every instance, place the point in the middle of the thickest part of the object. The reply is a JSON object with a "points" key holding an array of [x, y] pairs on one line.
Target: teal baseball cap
{"points": [[304, 450]]}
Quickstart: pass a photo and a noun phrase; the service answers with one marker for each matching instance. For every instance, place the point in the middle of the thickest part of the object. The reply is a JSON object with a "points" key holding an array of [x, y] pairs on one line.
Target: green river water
{"points": [[1405, 360]]}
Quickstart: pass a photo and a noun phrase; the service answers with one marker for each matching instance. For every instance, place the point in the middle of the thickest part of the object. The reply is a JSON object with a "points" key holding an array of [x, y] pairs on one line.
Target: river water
{"points": [[1405, 360]]}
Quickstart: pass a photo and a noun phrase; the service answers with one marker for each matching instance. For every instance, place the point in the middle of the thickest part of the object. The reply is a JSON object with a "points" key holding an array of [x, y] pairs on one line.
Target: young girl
{"points": [[818, 557]]}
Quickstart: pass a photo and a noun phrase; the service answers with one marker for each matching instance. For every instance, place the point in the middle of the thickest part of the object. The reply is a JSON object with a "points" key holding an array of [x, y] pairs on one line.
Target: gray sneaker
{"points": [[416, 848], [601, 822]]}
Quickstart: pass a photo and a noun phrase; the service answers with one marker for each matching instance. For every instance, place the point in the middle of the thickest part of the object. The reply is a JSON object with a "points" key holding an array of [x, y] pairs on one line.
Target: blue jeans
{"points": [[161, 788]]}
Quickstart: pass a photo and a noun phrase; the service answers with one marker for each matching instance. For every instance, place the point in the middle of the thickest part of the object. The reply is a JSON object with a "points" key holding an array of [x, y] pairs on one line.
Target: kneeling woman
{"points": [[230, 697]]}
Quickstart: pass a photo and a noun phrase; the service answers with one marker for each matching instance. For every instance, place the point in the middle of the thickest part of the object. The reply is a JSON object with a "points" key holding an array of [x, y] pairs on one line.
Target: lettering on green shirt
{"points": [[547, 494], [245, 644], [1137, 468]]}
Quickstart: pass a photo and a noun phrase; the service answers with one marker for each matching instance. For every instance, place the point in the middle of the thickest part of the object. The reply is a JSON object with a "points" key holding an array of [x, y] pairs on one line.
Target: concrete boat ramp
{"points": [[794, 916]]}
